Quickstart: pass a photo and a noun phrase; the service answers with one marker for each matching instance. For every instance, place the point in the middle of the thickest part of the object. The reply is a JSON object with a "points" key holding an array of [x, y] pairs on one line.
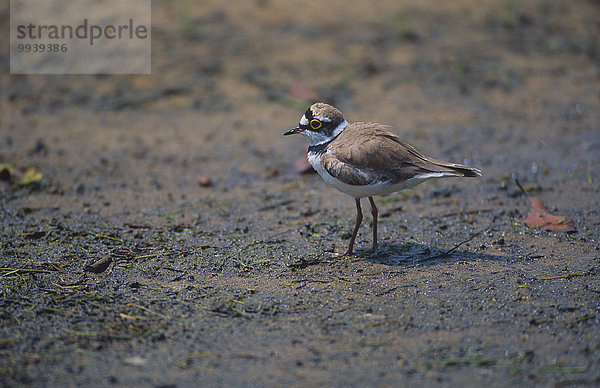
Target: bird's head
{"points": [[320, 123]]}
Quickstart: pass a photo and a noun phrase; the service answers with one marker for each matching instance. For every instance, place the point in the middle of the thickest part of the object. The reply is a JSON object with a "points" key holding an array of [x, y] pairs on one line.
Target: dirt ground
{"points": [[171, 243]]}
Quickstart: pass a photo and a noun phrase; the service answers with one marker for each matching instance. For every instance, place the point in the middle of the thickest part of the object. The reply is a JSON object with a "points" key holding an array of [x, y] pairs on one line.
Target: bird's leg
{"points": [[359, 218], [375, 213]]}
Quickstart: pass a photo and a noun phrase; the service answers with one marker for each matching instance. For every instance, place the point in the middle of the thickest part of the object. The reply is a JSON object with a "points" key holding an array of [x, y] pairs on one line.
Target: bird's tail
{"points": [[441, 169], [455, 169], [466, 170]]}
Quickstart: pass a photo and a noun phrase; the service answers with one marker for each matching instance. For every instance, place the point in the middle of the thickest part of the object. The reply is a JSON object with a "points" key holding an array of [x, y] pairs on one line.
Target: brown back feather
{"points": [[372, 153]]}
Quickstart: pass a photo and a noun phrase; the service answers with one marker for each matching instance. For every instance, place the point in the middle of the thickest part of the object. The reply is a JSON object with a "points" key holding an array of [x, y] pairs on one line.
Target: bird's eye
{"points": [[315, 124]]}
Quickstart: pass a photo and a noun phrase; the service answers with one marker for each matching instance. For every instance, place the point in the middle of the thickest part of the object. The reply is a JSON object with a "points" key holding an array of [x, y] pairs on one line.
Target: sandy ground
{"points": [[171, 243]]}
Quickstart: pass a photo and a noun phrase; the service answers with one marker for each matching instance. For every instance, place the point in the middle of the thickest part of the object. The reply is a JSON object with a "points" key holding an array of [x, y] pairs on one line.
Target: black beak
{"points": [[294, 130]]}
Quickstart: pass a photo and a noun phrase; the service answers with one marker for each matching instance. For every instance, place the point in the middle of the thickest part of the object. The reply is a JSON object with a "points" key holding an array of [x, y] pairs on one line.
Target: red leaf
{"points": [[540, 218], [301, 165], [302, 92]]}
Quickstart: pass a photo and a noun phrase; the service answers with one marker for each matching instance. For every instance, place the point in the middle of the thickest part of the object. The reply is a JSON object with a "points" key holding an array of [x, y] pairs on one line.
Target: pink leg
{"points": [[375, 213], [359, 218]]}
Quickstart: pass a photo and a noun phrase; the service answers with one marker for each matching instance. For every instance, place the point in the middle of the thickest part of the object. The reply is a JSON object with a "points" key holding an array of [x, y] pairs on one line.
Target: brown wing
{"points": [[371, 153]]}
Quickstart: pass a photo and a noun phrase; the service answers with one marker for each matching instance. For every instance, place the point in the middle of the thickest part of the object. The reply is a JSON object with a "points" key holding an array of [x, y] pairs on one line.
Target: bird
{"points": [[365, 159]]}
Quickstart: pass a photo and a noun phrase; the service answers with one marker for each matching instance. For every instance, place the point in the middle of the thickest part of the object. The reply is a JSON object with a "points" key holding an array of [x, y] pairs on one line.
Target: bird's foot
{"points": [[339, 255], [374, 251]]}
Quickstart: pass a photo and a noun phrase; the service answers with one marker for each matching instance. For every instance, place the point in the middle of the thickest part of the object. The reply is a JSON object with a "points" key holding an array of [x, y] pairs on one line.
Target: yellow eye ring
{"points": [[315, 124]]}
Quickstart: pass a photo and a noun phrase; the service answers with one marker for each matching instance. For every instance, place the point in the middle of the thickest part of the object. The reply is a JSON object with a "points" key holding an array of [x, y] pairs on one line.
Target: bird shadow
{"points": [[417, 254]]}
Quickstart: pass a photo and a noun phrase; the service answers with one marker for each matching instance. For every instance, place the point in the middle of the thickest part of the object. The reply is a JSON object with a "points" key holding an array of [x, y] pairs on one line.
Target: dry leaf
{"points": [[540, 218], [19, 175], [26, 175]]}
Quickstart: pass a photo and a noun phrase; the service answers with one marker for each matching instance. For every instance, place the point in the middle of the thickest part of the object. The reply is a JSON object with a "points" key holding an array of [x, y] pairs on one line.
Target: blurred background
{"points": [[506, 84], [496, 81], [384, 59]]}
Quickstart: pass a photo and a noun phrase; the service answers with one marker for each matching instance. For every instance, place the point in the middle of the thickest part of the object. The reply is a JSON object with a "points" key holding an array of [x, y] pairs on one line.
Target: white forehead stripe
{"points": [[303, 120]]}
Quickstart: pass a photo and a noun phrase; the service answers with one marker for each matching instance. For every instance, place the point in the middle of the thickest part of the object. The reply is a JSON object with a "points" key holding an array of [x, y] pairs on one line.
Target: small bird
{"points": [[366, 159]]}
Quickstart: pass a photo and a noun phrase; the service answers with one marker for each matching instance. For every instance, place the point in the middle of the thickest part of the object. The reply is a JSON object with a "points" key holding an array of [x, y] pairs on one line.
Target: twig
{"points": [[340, 279], [443, 254], [472, 211], [465, 241], [12, 271], [521, 188], [173, 269], [155, 255], [567, 276], [146, 309], [99, 235]]}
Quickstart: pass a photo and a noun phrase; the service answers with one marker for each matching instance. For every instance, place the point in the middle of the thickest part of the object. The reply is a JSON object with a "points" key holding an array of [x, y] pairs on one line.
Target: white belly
{"points": [[362, 191]]}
